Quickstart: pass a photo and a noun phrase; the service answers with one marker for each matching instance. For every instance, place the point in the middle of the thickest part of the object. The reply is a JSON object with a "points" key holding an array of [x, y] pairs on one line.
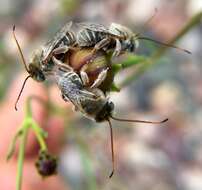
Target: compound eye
{"points": [[132, 46], [40, 76], [111, 105]]}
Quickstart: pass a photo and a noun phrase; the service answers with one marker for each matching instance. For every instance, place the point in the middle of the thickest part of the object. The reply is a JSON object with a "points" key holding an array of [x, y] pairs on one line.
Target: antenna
{"points": [[150, 18], [25, 65], [138, 121], [144, 25], [112, 148], [21, 54], [111, 134], [162, 43], [23, 85]]}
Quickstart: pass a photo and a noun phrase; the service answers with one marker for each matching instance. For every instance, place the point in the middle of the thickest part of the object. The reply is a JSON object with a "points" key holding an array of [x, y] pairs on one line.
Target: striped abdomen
{"points": [[68, 39], [87, 38], [70, 84], [87, 102]]}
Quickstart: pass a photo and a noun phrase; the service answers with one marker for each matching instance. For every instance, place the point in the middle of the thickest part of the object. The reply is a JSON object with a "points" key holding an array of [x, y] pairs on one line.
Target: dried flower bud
{"points": [[46, 164], [92, 64]]}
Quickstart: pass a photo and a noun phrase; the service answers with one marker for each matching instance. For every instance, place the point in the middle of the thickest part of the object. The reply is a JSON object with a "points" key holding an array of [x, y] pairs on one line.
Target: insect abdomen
{"points": [[67, 40], [70, 80], [72, 88], [87, 38]]}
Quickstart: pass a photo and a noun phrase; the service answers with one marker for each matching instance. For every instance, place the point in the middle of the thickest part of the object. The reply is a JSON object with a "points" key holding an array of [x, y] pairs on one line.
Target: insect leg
{"points": [[75, 108], [64, 98], [61, 49], [84, 75], [61, 65], [117, 50], [87, 94], [101, 44], [84, 78], [101, 77]]}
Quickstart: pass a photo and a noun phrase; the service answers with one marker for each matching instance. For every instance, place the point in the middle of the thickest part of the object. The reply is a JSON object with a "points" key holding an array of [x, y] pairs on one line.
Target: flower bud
{"points": [[46, 164], [93, 64]]}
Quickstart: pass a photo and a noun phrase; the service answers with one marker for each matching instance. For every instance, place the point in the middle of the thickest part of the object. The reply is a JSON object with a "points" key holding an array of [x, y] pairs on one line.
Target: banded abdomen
{"points": [[87, 101], [88, 38], [68, 39]]}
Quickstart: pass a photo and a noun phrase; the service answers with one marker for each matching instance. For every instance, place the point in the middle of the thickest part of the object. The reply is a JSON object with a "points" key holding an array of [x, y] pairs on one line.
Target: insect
{"points": [[116, 37], [41, 63], [63, 41], [90, 101]]}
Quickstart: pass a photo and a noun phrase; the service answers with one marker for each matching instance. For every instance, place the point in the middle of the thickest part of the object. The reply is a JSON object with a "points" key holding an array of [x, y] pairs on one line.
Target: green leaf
{"points": [[132, 60], [114, 88], [116, 68]]}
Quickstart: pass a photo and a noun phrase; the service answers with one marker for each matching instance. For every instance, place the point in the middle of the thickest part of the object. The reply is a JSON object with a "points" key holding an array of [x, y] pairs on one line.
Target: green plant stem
{"points": [[39, 135], [13, 143], [21, 155], [146, 64]]}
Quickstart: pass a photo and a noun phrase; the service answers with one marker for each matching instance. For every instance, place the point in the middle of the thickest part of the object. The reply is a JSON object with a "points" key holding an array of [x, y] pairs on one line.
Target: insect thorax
{"points": [[105, 113], [35, 70]]}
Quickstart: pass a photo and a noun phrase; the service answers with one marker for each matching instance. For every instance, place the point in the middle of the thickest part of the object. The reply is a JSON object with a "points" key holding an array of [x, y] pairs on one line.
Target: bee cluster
{"points": [[79, 61]]}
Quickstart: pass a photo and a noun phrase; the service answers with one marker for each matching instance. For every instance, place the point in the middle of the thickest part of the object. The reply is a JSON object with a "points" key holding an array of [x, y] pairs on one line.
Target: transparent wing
{"points": [[93, 26], [82, 100], [49, 46], [120, 30], [100, 28]]}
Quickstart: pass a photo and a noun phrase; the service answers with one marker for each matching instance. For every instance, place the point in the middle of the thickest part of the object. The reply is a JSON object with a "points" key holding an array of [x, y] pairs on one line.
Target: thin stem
{"points": [[40, 134], [21, 155], [28, 122], [13, 144]]}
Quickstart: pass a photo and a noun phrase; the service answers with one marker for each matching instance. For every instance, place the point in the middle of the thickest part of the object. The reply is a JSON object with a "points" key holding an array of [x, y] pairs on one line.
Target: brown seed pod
{"points": [[46, 164]]}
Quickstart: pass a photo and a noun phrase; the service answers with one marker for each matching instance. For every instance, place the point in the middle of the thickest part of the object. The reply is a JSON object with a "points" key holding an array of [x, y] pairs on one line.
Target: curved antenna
{"points": [[21, 54], [138, 121], [139, 37], [23, 85], [112, 148], [151, 18], [162, 43], [143, 27]]}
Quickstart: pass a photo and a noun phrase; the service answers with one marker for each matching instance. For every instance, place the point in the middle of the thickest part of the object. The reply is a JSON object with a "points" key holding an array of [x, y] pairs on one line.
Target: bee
{"points": [[63, 41], [91, 102], [117, 37], [41, 63]]}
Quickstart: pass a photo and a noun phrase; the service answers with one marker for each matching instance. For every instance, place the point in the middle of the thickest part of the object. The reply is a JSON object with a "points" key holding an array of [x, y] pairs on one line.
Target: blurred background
{"points": [[160, 157]]}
